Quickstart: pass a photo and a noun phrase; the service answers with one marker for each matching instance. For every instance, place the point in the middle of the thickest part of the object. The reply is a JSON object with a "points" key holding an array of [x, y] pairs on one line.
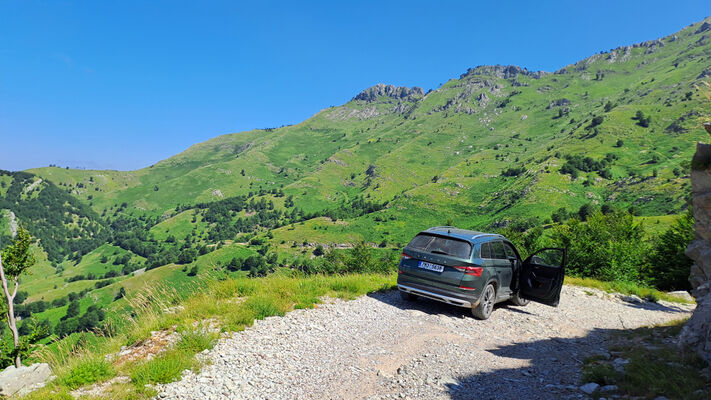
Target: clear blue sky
{"points": [[123, 84]]}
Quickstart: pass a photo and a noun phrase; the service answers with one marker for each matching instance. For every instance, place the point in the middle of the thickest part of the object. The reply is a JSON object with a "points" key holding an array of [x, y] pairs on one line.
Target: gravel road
{"points": [[379, 346]]}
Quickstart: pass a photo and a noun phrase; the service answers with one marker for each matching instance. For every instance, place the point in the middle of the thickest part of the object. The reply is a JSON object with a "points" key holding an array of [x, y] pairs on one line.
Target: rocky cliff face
{"points": [[697, 332], [396, 92]]}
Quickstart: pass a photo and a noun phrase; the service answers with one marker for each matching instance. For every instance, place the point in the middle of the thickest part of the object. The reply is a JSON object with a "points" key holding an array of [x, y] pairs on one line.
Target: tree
{"points": [[72, 310], [187, 256], [585, 211], [668, 267], [318, 251], [18, 260]]}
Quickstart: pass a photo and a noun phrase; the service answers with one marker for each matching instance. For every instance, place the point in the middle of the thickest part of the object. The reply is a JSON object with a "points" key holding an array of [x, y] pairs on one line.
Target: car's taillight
{"points": [[466, 287], [404, 256], [474, 271]]}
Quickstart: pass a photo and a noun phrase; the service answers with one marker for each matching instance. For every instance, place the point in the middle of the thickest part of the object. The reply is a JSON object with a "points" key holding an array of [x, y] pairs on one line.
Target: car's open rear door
{"points": [[541, 277]]}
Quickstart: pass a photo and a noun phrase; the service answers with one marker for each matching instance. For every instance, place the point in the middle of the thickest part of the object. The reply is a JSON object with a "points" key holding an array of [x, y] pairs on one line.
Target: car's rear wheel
{"points": [[486, 305], [408, 296], [517, 300]]}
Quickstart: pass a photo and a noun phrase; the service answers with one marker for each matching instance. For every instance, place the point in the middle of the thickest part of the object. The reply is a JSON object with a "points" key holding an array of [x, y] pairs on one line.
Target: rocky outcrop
{"points": [[558, 103], [396, 92], [697, 331], [703, 28], [20, 381], [502, 71]]}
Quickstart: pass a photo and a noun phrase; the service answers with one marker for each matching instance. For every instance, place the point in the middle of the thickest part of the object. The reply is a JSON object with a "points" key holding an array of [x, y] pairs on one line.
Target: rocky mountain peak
{"points": [[502, 71], [372, 93]]}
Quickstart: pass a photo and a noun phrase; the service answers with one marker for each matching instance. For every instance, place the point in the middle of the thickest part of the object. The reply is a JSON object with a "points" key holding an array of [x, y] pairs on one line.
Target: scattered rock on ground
{"points": [[20, 381], [380, 346], [682, 294], [589, 388]]}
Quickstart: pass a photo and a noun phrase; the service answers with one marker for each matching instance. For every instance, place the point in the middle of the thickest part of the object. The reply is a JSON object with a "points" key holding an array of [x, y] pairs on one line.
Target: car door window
{"points": [[486, 251], [510, 252], [497, 248]]}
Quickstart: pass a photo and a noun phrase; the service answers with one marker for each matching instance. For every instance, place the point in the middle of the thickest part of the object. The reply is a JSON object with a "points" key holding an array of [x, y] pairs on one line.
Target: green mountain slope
{"points": [[466, 133], [498, 144]]}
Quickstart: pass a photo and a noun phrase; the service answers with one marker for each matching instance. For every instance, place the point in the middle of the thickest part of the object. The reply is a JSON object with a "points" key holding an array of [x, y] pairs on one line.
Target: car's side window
{"points": [[510, 252], [498, 249], [486, 251]]}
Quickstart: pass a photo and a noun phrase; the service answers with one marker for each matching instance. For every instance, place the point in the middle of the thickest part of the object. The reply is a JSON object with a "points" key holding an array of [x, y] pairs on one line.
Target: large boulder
{"points": [[20, 381], [696, 334], [697, 331]]}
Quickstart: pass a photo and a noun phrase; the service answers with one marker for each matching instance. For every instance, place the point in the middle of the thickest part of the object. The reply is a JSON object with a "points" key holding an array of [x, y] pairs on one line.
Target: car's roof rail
{"points": [[485, 234]]}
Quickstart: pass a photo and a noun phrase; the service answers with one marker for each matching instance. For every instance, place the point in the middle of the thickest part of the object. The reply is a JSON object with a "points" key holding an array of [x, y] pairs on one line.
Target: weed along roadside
{"points": [[141, 357]]}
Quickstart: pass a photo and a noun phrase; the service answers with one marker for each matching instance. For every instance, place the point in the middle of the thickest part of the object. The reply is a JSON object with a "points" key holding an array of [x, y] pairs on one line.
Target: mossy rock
{"points": [[702, 158]]}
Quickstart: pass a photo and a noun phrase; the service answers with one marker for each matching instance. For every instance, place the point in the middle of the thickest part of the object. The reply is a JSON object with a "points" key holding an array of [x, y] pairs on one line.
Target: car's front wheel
{"points": [[517, 300], [408, 296], [486, 305]]}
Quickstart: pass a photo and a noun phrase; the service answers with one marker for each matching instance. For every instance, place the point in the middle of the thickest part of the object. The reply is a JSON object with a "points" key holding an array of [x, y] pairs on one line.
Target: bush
{"points": [[667, 265], [318, 251], [607, 247], [88, 371]]}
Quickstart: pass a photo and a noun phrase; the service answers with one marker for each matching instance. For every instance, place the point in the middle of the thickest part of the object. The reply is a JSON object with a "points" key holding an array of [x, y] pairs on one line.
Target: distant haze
{"points": [[122, 85]]}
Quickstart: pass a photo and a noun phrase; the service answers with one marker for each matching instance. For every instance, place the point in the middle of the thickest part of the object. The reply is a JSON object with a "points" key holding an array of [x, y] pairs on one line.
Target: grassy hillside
{"points": [[465, 133], [500, 145]]}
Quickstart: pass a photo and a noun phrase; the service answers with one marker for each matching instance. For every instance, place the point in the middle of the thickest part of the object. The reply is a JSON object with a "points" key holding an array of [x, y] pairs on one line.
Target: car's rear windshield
{"points": [[441, 245]]}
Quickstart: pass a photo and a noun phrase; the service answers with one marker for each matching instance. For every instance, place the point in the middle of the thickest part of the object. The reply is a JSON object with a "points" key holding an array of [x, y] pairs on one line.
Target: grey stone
{"points": [[608, 388], [682, 294], [589, 388], [400, 92], [632, 299], [696, 333], [20, 381]]}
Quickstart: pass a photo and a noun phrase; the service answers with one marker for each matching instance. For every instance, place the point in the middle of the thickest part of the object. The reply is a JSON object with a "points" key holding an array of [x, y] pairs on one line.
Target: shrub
{"points": [[607, 247], [667, 265], [87, 371]]}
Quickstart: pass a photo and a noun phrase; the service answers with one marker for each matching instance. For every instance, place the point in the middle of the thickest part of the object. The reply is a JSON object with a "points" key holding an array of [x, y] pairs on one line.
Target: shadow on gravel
{"points": [[552, 371], [648, 305], [432, 307], [552, 366]]}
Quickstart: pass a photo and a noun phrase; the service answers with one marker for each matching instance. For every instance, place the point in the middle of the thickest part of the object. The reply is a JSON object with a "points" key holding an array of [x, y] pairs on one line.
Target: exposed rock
{"points": [[502, 71], [704, 73], [589, 388], [608, 388], [483, 99], [697, 331], [632, 299], [32, 185], [558, 103], [682, 294], [396, 92], [20, 381], [703, 28], [13, 223]]}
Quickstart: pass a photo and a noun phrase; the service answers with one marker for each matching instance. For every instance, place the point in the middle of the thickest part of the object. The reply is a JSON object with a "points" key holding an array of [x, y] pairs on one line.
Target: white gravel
{"points": [[379, 346]]}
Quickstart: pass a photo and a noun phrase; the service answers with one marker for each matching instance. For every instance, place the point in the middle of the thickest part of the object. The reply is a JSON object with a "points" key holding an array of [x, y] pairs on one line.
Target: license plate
{"points": [[430, 266]]}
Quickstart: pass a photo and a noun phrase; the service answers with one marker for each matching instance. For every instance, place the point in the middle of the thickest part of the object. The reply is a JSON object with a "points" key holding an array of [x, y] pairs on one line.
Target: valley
{"points": [[603, 144]]}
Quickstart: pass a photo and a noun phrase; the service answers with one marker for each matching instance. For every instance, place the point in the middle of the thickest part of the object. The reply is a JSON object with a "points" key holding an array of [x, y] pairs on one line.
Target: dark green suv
{"points": [[477, 270]]}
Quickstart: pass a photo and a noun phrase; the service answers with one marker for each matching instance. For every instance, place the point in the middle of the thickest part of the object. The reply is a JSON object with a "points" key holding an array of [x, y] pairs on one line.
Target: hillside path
{"points": [[379, 346]]}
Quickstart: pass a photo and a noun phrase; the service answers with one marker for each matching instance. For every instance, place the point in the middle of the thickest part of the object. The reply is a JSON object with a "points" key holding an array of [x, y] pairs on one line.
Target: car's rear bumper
{"points": [[439, 295]]}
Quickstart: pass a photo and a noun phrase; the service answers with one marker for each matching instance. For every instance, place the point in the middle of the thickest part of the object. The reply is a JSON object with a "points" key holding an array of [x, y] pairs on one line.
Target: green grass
{"points": [[87, 371], [230, 303], [627, 288], [656, 367]]}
